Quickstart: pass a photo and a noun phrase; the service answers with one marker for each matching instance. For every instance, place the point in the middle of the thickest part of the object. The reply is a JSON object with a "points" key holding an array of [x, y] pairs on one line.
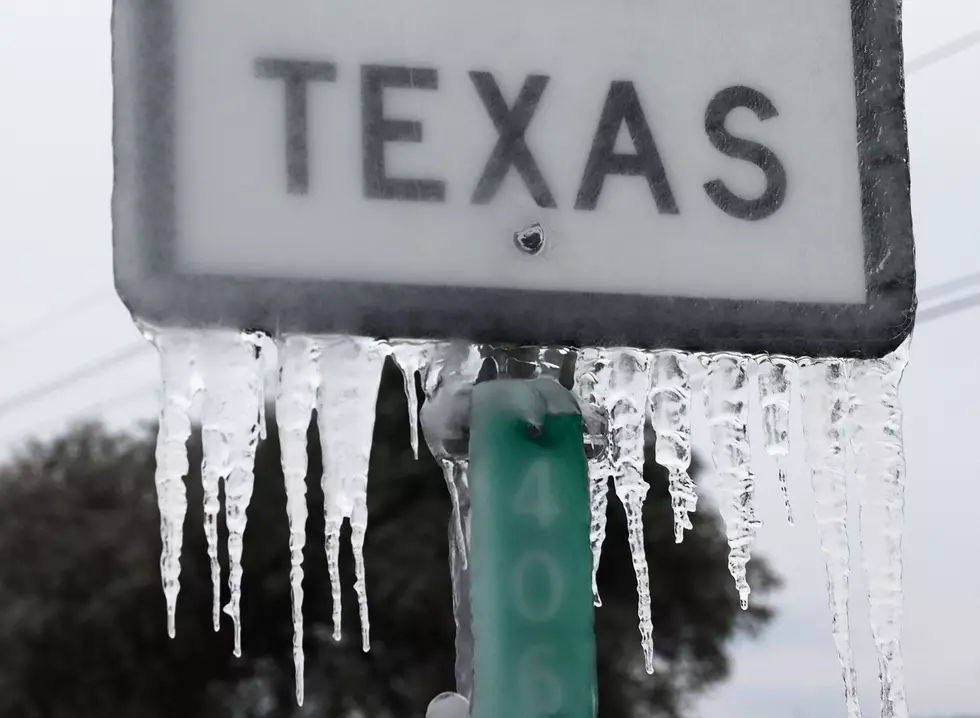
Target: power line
{"points": [[944, 52], [25, 331], [950, 306], [124, 397], [953, 285], [88, 370], [946, 309]]}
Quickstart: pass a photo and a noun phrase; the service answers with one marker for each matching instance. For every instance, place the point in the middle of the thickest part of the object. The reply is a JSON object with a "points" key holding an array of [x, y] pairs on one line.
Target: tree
{"points": [[83, 621]]}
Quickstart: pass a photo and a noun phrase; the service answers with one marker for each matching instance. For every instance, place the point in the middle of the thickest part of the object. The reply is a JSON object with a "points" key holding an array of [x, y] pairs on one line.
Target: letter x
{"points": [[511, 148]]}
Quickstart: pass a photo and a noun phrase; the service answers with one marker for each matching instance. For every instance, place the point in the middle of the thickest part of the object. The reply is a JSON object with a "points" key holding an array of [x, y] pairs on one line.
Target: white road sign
{"points": [[706, 175]]}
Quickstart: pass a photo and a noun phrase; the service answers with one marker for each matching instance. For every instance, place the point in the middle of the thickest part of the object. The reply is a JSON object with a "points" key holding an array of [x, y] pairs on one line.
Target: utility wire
{"points": [[954, 306], [26, 330], [130, 395], [949, 306], [954, 285], [123, 397], [88, 370], [933, 57], [943, 52]]}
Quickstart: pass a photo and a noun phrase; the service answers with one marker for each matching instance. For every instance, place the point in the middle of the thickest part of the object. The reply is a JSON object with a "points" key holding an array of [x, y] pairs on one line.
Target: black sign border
{"points": [[147, 280]]}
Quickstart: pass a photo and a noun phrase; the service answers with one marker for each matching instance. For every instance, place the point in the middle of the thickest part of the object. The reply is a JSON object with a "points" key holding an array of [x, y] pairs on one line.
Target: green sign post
{"points": [[531, 566]]}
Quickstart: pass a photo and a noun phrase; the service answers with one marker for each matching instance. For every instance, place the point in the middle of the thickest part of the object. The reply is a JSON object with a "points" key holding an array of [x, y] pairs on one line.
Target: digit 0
{"points": [[533, 605]]}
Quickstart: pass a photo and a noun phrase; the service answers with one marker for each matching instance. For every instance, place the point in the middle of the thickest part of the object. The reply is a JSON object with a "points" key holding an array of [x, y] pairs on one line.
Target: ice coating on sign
{"points": [[180, 381], [591, 388], [411, 358], [825, 411], [629, 386], [670, 404], [875, 434], [350, 370], [299, 379], [726, 394], [776, 400], [232, 369]]}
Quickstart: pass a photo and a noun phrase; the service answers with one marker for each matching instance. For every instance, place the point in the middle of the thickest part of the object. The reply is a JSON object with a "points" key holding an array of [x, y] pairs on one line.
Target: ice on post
{"points": [[448, 374], [448, 377]]}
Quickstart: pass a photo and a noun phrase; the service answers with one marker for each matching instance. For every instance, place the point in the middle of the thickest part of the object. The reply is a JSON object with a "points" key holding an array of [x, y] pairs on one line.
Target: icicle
{"points": [[454, 472], [263, 427], [599, 473], [263, 348], [448, 379], [457, 479], [412, 357], [180, 384], [331, 545], [776, 398], [298, 384], [452, 365], [350, 370], [215, 467], [726, 402], [549, 362], [670, 404], [527, 362], [234, 385], [825, 410], [875, 433], [629, 387], [592, 388]]}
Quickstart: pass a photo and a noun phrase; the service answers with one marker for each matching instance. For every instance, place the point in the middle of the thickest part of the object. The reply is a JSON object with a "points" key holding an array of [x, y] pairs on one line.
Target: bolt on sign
{"points": [[702, 175]]}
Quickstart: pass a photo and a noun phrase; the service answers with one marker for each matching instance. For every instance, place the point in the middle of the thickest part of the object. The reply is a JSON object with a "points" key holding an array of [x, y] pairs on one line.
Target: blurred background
{"points": [[82, 621]]}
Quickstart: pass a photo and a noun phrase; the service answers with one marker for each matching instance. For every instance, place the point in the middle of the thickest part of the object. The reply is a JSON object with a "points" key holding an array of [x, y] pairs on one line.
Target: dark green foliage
{"points": [[82, 618]]}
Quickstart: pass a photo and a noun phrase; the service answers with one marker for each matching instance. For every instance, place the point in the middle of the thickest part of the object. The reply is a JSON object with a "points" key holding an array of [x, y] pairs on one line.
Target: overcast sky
{"points": [[59, 314]]}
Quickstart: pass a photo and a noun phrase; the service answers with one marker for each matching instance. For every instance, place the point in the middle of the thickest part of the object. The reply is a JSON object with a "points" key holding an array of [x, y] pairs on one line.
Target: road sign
{"points": [[531, 566], [706, 176]]}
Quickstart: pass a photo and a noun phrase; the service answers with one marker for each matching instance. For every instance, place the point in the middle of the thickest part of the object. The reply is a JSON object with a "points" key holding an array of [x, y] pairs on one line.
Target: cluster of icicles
{"points": [[850, 410]]}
